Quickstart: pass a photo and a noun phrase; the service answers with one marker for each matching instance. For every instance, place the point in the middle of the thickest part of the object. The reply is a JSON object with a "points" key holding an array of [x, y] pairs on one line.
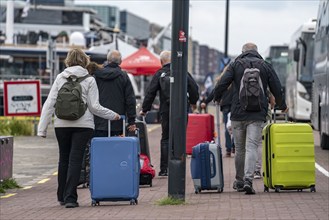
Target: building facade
{"points": [[134, 25]]}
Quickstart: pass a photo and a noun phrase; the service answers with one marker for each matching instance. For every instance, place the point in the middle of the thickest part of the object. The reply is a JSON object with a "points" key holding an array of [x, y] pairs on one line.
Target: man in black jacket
{"points": [[160, 82], [115, 93], [247, 124]]}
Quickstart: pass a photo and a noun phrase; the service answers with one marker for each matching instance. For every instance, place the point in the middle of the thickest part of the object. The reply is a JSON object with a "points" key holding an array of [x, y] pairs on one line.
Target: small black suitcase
{"points": [[85, 168]]}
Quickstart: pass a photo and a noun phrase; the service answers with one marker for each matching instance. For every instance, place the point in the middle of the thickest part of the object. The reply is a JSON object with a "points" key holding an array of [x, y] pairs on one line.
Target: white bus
{"points": [[277, 55], [320, 98], [300, 72]]}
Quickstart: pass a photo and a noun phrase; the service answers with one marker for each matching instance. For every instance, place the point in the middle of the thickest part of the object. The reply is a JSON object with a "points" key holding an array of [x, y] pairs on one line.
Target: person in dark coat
{"points": [[248, 125], [163, 88], [116, 93], [225, 107]]}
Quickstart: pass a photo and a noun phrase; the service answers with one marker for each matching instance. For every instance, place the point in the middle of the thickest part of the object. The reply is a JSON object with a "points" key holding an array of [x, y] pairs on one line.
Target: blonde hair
{"points": [[218, 78], [76, 57]]}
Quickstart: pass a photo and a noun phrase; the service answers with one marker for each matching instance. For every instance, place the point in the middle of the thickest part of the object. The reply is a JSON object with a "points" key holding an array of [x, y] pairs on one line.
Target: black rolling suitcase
{"points": [[85, 168], [147, 170]]}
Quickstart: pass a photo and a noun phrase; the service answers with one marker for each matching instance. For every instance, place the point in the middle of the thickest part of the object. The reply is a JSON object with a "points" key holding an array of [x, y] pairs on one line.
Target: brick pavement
{"points": [[39, 202]]}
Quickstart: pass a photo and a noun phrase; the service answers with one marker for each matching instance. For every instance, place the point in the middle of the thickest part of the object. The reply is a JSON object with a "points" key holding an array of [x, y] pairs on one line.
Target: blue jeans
{"points": [[247, 135], [260, 150], [228, 140]]}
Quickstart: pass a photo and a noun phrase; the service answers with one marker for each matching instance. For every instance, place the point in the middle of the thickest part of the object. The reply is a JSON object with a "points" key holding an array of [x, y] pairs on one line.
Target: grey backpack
{"points": [[251, 93], [69, 104]]}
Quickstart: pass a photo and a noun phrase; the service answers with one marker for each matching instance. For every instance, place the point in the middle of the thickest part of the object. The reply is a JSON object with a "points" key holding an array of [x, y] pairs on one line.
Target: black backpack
{"points": [[251, 94], [165, 85], [69, 104]]}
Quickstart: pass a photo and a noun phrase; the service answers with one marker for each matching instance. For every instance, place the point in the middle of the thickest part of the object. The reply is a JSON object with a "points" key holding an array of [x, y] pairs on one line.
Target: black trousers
{"points": [[164, 156], [72, 143], [164, 151]]}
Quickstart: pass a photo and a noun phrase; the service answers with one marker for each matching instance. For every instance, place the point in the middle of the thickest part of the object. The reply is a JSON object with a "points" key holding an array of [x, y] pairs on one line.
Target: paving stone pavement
{"points": [[39, 200]]}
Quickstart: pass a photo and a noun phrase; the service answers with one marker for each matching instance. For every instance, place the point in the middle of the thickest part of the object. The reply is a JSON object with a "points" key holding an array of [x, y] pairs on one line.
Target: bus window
{"points": [[306, 69]]}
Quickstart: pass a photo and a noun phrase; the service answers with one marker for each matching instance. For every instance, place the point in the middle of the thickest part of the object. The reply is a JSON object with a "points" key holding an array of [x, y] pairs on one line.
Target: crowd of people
{"points": [[109, 94]]}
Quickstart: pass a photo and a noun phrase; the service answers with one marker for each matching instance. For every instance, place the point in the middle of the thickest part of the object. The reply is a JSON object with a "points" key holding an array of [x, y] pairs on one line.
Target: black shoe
{"points": [[163, 173], [248, 188], [71, 205], [238, 186], [61, 202]]}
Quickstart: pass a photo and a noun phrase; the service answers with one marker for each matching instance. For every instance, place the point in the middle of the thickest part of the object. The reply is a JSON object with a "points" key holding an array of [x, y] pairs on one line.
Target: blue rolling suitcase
{"points": [[114, 169], [207, 164]]}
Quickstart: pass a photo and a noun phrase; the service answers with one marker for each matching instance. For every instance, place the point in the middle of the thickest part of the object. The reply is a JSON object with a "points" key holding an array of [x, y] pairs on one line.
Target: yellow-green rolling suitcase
{"points": [[288, 157]]}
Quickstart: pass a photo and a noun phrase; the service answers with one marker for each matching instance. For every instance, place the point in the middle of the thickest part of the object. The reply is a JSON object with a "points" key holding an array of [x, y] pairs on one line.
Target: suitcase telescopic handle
{"points": [[274, 116], [217, 122], [123, 117]]}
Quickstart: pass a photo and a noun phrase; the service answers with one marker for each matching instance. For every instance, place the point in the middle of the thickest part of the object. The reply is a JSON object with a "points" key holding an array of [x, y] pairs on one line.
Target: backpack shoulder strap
{"points": [[70, 78], [243, 63], [83, 78]]}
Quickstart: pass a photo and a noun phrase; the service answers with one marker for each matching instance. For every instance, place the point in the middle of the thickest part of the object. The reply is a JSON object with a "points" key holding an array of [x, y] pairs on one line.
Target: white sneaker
{"points": [[257, 175]]}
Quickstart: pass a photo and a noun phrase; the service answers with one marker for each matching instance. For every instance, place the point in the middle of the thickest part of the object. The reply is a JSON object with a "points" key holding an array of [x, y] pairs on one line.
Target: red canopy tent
{"points": [[142, 62]]}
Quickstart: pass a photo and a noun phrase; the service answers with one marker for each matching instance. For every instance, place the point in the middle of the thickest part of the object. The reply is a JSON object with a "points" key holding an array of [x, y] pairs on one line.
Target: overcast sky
{"points": [[265, 22]]}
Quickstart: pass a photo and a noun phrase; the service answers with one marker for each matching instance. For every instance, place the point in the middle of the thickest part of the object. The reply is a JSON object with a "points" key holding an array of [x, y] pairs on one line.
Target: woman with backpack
{"points": [[73, 125]]}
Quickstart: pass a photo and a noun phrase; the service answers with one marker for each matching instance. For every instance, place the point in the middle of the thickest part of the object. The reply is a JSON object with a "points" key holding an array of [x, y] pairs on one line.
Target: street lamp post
{"points": [[178, 99]]}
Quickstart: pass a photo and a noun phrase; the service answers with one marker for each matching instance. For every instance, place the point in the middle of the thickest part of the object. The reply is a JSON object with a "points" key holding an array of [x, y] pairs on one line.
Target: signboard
{"points": [[22, 98]]}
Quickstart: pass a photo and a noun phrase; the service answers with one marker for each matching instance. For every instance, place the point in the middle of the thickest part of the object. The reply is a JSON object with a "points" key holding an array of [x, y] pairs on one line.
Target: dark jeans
{"points": [[72, 143], [164, 141]]}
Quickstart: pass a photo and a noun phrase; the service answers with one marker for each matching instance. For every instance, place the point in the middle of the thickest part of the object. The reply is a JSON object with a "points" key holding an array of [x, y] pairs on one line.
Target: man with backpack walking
{"points": [[250, 76], [161, 82]]}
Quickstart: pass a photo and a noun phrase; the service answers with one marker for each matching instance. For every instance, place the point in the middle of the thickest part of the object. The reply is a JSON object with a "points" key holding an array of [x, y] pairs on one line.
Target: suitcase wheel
{"points": [[94, 203], [220, 190], [313, 189], [198, 190], [266, 189], [133, 202], [277, 189], [151, 183], [299, 190]]}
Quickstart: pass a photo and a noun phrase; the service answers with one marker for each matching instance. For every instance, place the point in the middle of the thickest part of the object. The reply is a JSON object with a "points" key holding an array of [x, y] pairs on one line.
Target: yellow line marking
{"points": [[55, 174], [152, 129], [27, 187], [7, 196], [43, 181]]}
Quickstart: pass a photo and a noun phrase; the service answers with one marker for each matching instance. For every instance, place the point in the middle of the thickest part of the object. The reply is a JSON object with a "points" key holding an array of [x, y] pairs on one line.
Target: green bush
{"points": [[170, 201], [16, 127], [8, 184]]}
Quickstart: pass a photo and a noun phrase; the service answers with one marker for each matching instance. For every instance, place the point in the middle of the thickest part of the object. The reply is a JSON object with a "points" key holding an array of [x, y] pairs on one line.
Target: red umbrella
{"points": [[142, 62]]}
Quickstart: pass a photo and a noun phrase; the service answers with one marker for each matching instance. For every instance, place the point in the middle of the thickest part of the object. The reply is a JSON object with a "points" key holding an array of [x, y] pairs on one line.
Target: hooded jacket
{"points": [[154, 87], [115, 93], [234, 75], [89, 96]]}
